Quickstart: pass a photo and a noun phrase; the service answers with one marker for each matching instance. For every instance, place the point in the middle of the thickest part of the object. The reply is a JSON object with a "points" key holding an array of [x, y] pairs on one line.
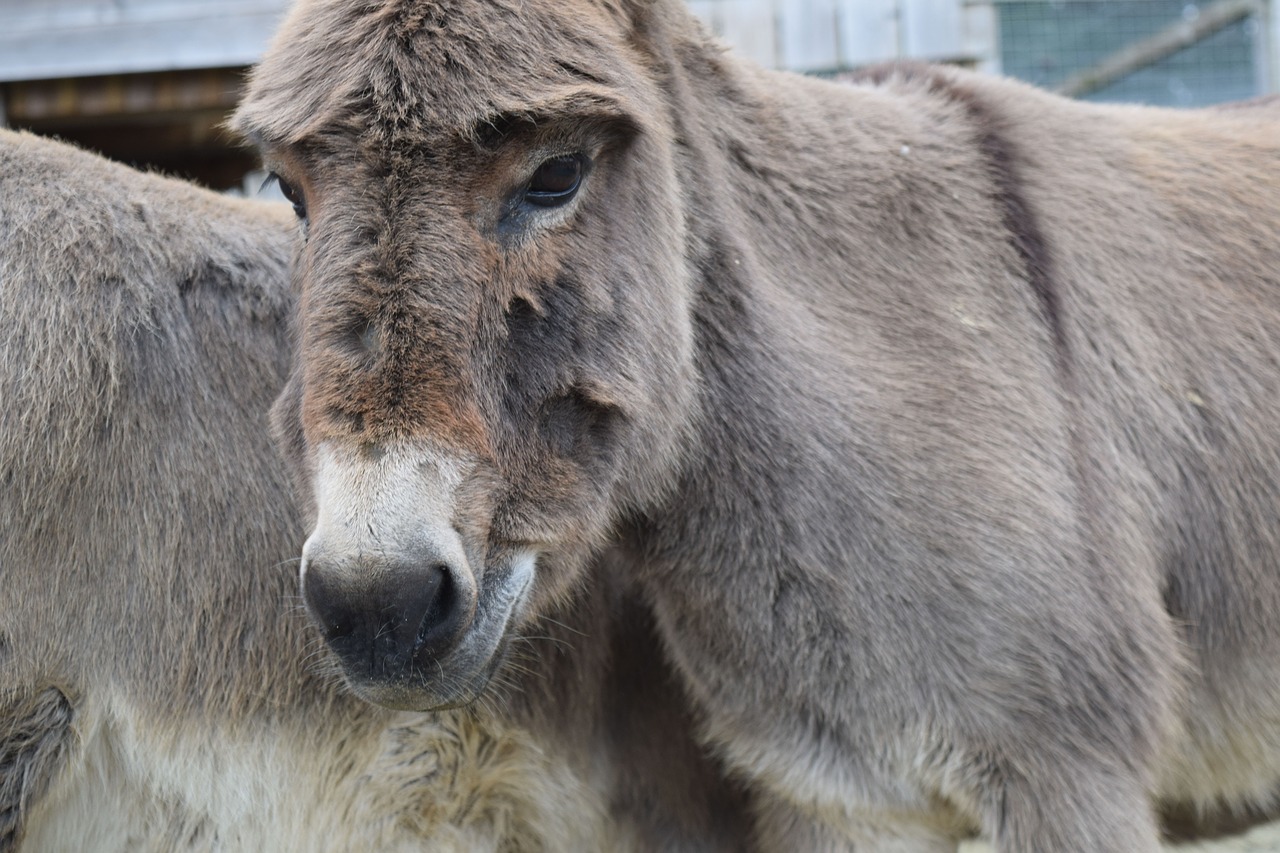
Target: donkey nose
{"points": [[384, 620]]}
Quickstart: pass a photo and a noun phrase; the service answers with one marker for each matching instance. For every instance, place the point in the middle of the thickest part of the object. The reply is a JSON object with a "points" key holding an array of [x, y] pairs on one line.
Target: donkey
{"points": [[154, 691], [935, 416]]}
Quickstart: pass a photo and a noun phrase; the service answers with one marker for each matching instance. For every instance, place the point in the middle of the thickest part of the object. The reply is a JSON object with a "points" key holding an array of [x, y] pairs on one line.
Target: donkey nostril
{"points": [[329, 605], [440, 603], [439, 623]]}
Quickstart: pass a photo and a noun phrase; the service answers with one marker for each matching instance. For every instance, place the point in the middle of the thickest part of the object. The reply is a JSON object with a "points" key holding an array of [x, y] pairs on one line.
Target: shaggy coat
{"points": [[156, 685], [935, 415]]}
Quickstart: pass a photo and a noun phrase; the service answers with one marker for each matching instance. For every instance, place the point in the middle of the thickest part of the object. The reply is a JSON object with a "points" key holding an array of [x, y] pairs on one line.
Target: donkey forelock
{"points": [[409, 69]]}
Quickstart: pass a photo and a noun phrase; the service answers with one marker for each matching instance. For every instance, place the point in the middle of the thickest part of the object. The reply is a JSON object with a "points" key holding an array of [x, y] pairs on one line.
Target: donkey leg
{"points": [[36, 737], [780, 825], [1076, 812]]}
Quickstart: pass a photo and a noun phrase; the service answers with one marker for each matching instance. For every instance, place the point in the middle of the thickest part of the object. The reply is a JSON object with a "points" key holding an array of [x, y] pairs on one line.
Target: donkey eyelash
{"points": [[292, 194]]}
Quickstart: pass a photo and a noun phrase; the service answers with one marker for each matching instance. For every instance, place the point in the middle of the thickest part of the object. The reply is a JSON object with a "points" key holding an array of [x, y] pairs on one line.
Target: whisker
{"points": [[562, 625], [527, 638]]}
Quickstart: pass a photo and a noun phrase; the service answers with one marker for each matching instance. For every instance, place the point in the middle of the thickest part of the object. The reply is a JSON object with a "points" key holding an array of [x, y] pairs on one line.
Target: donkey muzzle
{"points": [[388, 621]]}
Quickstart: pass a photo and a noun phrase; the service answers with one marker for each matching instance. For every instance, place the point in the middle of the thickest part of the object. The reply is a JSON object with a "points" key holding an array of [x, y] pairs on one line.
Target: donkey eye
{"points": [[293, 194], [556, 181]]}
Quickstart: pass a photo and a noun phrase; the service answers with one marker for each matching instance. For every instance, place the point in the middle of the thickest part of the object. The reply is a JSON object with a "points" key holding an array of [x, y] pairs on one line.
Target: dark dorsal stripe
{"points": [[1020, 219]]}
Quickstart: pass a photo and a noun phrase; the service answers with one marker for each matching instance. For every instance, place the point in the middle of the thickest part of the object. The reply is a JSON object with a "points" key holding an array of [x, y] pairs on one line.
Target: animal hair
{"points": [[159, 687], [933, 414]]}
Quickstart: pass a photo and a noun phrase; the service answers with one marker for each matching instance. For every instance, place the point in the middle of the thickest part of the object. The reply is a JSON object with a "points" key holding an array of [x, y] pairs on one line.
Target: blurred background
{"points": [[149, 82]]}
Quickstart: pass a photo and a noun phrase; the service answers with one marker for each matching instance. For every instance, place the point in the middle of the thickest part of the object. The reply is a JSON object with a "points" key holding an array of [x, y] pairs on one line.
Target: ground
{"points": [[1264, 839]]}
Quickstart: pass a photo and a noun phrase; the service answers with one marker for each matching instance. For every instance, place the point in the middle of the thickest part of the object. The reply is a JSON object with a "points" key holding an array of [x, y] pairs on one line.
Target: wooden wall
{"points": [[830, 35], [149, 82]]}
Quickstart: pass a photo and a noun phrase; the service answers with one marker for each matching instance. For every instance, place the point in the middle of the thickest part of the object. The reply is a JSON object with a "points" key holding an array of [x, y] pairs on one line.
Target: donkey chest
{"points": [[412, 782]]}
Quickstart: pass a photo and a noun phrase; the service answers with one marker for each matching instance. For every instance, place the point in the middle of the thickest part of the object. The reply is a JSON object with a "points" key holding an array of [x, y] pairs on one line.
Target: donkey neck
{"points": [[768, 161]]}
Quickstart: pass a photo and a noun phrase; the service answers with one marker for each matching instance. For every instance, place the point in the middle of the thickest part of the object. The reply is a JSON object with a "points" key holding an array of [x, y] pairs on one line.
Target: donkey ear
{"points": [[630, 8], [644, 20], [632, 12]]}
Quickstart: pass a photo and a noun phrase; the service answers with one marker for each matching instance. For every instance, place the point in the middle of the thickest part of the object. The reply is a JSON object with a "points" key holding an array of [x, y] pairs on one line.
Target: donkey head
{"points": [[494, 359]]}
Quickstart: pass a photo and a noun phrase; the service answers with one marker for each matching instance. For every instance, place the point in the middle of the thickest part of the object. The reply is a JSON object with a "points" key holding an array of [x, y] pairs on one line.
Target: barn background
{"points": [[149, 82]]}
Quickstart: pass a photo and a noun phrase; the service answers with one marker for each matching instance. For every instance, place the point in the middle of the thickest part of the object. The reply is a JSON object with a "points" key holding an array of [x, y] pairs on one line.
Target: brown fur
{"points": [[157, 689], [936, 415]]}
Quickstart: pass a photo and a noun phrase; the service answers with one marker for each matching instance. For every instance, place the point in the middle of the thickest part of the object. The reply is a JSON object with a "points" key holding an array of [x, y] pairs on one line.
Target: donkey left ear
{"points": [[630, 7], [636, 12]]}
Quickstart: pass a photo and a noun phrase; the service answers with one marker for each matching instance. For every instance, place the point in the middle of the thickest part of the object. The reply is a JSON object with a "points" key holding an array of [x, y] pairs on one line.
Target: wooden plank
{"points": [[751, 27], [980, 28], [868, 31], [132, 47], [707, 10], [116, 95], [1271, 41], [44, 15], [809, 35], [932, 29]]}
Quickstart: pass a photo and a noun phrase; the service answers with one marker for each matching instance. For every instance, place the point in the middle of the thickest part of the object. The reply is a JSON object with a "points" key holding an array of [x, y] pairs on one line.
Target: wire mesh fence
{"points": [[1166, 52]]}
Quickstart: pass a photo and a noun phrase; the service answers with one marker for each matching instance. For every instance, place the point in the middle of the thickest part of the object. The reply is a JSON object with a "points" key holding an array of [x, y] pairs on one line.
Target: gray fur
{"points": [[158, 689], [935, 415]]}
